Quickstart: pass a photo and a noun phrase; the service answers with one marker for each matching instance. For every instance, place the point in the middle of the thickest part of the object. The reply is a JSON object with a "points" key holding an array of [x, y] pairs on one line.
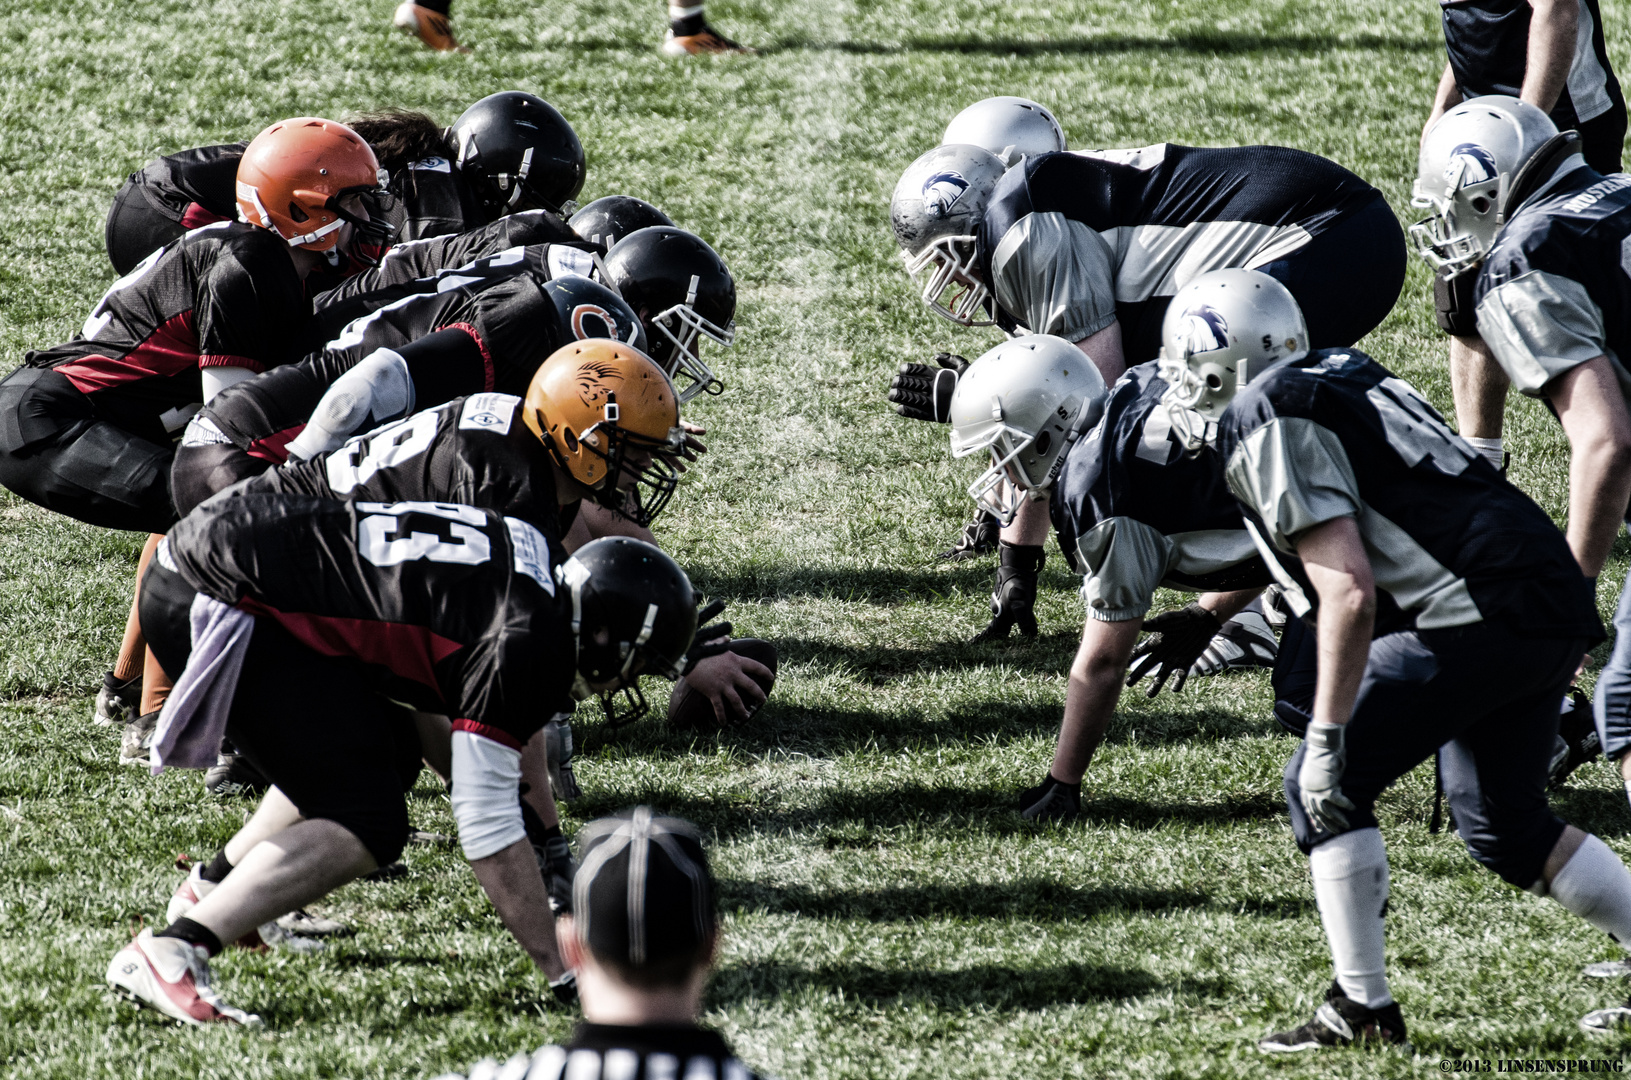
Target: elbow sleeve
{"points": [[377, 389]]}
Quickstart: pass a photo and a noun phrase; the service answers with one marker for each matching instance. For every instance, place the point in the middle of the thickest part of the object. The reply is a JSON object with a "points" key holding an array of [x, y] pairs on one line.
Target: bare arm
{"points": [[1090, 697], [1104, 349], [1226, 605], [1591, 406], [1334, 558], [1552, 32], [1447, 98], [513, 883]]}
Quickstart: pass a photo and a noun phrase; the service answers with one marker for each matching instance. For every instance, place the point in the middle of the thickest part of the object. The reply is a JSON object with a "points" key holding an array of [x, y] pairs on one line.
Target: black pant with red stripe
{"points": [[56, 452], [312, 723]]}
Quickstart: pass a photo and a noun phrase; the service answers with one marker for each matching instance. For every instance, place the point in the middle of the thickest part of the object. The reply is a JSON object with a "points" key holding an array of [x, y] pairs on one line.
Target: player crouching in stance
{"points": [[1451, 614], [643, 936], [1134, 508], [293, 623]]}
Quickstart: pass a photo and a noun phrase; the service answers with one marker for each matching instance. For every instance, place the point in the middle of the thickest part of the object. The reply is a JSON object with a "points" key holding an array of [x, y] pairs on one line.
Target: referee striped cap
{"points": [[643, 893]]}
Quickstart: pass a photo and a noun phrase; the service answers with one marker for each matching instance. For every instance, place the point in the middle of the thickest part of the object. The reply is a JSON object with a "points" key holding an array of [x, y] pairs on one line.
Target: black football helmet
{"points": [[611, 217], [633, 613], [588, 309], [518, 153], [680, 288]]}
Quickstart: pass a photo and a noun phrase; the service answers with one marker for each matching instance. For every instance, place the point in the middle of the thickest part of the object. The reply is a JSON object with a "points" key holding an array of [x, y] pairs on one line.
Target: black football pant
{"points": [[55, 452], [202, 471], [1490, 700], [311, 723]]}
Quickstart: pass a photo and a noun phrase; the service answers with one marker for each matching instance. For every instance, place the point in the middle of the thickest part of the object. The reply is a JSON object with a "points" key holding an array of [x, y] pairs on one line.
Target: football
{"points": [[688, 709]]}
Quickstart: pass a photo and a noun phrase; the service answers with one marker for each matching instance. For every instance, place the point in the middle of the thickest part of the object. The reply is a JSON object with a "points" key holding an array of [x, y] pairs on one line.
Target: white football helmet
{"points": [[1026, 401], [1010, 127], [936, 211], [1221, 331], [1469, 160]]}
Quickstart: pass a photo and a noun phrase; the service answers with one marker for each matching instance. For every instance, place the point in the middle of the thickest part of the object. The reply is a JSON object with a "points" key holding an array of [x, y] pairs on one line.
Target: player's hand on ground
{"points": [[923, 392], [1175, 639], [731, 683], [1325, 759], [693, 447]]}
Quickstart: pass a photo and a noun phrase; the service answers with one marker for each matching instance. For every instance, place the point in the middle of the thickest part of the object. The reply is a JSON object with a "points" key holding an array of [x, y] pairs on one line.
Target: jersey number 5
{"points": [[386, 536]]}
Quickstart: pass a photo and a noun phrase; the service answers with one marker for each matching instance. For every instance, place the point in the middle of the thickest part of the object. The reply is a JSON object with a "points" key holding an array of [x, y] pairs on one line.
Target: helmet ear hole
{"points": [[1044, 439], [571, 441], [1213, 382], [297, 214], [1481, 205]]}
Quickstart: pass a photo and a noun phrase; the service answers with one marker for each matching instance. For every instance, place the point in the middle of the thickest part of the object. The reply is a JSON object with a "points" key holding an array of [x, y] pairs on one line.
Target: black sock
{"points": [[192, 933], [217, 869], [686, 27], [441, 7]]}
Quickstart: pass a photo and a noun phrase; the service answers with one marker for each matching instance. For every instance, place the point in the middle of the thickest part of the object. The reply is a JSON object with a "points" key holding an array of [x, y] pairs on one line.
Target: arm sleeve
{"points": [[1293, 474], [379, 388], [486, 794], [1056, 275], [1122, 562], [1540, 326]]}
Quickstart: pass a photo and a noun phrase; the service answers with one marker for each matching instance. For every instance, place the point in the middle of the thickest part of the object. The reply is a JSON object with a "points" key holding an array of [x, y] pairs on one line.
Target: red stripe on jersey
{"points": [[197, 217], [407, 651], [228, 360], [170, 349], [488, 731], [486, 357], [275, 447]]}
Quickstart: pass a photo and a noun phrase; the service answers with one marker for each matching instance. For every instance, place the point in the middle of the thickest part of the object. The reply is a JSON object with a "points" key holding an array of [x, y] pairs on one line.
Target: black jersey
{"points": [[1140, 512], [1555, 289], [1488, 46], [450, 608], [225, 295], [515, 322], [1071, 239], [1450, 542], [474, 450], [535, 242]]}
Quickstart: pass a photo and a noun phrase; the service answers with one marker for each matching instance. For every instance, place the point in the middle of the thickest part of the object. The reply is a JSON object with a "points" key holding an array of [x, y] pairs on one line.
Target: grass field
{"points": [[886, 912]]}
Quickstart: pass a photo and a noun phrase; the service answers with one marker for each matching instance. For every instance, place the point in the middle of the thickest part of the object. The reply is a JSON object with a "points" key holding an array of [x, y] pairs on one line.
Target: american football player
{"points": [[1090, 245], [431, 21], [89, 426], [1553, 303], [1551, 55], [1451, 614], [506, 153], [1009, 127], [294, 624], [1134, 504]]}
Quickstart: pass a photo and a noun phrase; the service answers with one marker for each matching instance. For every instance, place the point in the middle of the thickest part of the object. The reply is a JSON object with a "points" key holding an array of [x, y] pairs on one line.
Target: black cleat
{"points": [[1577, 741], [1340, 1021], [232, 776]]}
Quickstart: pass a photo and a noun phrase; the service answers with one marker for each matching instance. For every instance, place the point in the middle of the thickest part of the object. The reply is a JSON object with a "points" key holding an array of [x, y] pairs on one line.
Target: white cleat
{"points": [[172, 977], [1608, 969]]}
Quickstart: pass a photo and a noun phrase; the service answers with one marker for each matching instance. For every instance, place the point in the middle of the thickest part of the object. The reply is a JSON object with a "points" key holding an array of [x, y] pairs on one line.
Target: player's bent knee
{"points": [[1517, 855]]}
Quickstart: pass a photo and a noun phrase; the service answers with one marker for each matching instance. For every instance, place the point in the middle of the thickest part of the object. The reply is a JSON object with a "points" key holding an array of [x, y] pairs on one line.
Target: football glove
{"points": [[979, 537], [1245, 641], [1176, 640], [1051, 800], [711, 638], [565, 988], [1013, 601], [921, 392], [1577, 741], [1325, 758]]}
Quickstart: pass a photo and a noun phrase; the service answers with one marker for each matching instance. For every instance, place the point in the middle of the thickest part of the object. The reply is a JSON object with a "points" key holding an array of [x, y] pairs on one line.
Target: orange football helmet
{"points": [[603, 408], [294, 174]]}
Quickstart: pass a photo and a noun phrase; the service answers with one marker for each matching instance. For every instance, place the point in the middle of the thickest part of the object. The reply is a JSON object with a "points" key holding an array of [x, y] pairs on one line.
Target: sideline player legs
{"points": [[689, 34]]}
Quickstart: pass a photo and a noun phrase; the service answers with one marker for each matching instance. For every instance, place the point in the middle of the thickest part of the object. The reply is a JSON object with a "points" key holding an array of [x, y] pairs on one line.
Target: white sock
{"points": [[1595, 885], [1350, 884], [1491, 449], [1627, 788]]}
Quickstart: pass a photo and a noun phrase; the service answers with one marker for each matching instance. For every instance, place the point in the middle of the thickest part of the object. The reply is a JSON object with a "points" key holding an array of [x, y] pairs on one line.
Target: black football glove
{"points": [[711, 638], [921, 392], [1176, 640], [565, 988], [1013, 601], [979, 537]]}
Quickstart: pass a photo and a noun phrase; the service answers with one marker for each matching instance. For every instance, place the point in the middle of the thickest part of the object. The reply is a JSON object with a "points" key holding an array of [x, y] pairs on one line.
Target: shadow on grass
{"points": [[1203, 41], [859, 584], [1604, 813], [740, 810], [825, 732], [989, 985], [1031, 900]]}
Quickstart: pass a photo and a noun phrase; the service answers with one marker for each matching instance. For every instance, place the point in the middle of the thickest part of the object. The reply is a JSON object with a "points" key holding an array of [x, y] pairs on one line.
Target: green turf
{"points": [[886, 913]]}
